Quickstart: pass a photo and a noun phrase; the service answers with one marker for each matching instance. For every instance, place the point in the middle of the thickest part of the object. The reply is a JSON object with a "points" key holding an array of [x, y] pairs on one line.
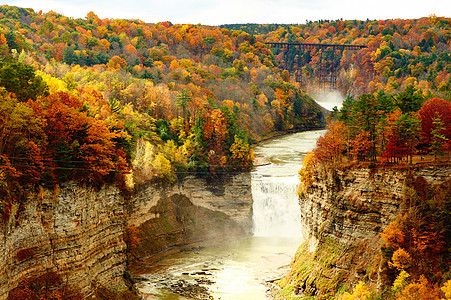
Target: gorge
{"points": [[241, 268], [127, 162], [80, 232], [173, 234]]}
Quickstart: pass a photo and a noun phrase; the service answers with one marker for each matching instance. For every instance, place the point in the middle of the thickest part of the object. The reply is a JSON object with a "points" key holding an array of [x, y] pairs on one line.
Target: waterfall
{"points": [[276, 210]]}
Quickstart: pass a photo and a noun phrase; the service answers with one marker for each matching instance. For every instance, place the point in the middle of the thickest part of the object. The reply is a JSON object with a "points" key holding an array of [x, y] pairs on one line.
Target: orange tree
{"points": [[78, 145]]}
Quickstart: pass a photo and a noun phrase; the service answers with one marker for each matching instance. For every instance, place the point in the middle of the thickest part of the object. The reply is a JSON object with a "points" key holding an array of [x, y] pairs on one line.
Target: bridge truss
{"points": [[297, 55]]}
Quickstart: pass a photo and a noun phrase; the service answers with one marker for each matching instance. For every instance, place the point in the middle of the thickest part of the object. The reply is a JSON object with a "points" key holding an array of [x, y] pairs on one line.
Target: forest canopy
{"points": [[111, 100]]}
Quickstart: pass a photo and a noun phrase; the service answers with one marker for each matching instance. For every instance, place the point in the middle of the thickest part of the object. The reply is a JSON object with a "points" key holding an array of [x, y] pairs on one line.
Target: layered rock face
{"points": [[356, 204], [343, 214], [232, 196], [75, 231], [188, 214], [80, 232]]}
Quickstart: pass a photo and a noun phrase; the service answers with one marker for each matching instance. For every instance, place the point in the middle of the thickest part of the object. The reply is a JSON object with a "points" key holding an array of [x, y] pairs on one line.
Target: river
{"points": [[240, 269]]}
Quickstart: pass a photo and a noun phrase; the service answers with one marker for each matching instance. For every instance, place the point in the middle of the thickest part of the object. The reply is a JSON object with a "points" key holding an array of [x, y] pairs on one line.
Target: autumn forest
{"points": [[128, 102]]}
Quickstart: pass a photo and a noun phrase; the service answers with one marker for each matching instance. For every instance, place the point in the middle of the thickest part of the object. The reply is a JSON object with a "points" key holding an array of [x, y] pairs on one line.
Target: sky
{"points": [[218, 12]]}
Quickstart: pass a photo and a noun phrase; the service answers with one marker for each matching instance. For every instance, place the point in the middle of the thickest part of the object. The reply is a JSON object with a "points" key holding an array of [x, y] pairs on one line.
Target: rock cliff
{"points": [[80, 232], [74, 231], [343, 213], [190, 213]]}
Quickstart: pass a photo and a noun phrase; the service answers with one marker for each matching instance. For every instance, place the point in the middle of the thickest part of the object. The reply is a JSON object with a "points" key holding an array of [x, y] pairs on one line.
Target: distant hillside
{"points": [[256, 29], [400, 52]]}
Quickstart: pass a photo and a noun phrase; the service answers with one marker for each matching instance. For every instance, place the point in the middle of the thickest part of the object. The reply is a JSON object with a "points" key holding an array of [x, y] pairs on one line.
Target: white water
{"points": [[275, 208], [240, 268], [274, 185], [329, 99]]}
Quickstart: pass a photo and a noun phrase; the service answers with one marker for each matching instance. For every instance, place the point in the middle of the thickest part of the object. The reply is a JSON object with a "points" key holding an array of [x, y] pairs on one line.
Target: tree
{"points": [[242, 156], [69, 56], [360, 292], [403, 136], [116, 63], [80, 146], [409, 131], [20, 79], [365, 117], [330, 147], [447, 289], [410, 100], [438, 139], [182, 100], [360, 146], [309, 164], [431, 110], [385, 102]]}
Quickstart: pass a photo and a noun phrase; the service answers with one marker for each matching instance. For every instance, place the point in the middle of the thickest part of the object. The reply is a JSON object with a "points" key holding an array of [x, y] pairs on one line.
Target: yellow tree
{"points": [[242, 155]]}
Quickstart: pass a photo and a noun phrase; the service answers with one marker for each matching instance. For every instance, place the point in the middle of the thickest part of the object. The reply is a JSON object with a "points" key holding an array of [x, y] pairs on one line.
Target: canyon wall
{"points": [[193, 212], [343, 213], [80, 232], [74, 231]]}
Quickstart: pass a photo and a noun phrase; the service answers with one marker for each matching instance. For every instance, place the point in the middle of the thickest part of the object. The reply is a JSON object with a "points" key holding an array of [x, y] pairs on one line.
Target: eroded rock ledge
{"points": [[343, 213]]}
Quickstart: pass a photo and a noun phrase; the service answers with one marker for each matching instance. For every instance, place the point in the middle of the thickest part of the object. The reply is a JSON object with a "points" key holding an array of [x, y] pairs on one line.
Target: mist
{"points": [[329, 99]]}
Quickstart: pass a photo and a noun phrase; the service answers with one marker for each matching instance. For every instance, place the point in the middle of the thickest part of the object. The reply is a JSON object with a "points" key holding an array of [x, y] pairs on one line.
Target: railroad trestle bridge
{"points": [[295, 57]]}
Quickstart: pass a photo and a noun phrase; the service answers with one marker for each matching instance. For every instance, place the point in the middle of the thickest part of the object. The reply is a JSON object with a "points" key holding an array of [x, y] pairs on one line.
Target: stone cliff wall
{"points": [[343, 213], [79, 232], [355, 204], [75, 231], [231, 196], [189, 213]]}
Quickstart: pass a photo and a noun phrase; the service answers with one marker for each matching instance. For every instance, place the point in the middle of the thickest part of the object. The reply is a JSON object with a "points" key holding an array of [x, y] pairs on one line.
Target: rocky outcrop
{"points": [[188, 214], [231, 196], [80, 232], [77, 232], [343, 213], [358, 203]]}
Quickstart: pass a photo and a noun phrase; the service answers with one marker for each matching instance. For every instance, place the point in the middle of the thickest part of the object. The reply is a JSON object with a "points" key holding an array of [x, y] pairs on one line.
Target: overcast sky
{"points": [[217, 12]]}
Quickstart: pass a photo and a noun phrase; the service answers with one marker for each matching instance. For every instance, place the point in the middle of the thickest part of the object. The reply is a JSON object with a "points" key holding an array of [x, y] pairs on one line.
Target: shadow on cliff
{"points": [[177, 225]]}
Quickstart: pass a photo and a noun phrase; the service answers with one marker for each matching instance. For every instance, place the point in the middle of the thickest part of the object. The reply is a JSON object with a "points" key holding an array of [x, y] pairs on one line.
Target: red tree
{"points": [[432, 109]]}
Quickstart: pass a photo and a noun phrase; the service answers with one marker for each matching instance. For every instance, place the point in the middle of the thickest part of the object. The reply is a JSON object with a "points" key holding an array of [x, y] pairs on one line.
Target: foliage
{"points": [[241, 155], [399, 52], [418, 241], [379, 130], [173, 86], [361, 292], [447, 289], [330, 147], [307, 171], [439, 110], [21, 80], [403, 136]]}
